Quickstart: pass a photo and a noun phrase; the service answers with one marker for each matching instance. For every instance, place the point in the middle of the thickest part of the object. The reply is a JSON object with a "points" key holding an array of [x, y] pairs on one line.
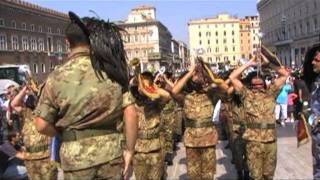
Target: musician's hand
{"points": [[127, 157], [253, 61]]}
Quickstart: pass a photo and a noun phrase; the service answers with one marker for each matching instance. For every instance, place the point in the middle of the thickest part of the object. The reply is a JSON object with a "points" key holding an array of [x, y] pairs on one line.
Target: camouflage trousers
{"points": [[261, 159], [110, 170], [201, 162], [148, 165], [42, 169]]}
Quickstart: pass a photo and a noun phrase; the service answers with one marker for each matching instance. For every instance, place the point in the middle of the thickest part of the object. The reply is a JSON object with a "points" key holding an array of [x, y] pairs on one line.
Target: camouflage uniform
{"points": [[148, 159], [260, 133], [237, 129], [167, 117], [37, 161], [88, 113], [200, 136]]}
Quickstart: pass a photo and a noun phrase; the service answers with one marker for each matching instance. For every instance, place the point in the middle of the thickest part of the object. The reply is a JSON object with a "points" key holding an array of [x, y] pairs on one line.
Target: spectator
{"points": [[11, 156], [300, 88], [282, 103], [291, 97]]}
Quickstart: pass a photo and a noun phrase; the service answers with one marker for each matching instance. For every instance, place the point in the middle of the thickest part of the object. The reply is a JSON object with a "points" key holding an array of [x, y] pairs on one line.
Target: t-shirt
{"points": [[283, 95], [300, 84], [290, 99]]}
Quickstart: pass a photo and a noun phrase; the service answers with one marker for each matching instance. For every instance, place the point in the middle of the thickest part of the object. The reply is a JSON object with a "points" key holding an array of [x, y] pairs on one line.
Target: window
{"points": [[33, 44], [217, 41], [254, 38], [59, 46], [136, 38], [209, 50], [50, 46], [49, 30], [226, 49], [232, 33], [234, 58], [1, 22], [216, 33], [40, 45], [58, 31], [43, 68], [234, 49], [217, 49], [51, 66], [233, 41], [208, 41], [35, 68], [315, 22], [13, 24], [32, 27], [199, 34], [25, 44], [3, 42], [15, 42], [199, 26], [224, 33], [224, 41], [200, 42], [24, 26], [40, 28]]}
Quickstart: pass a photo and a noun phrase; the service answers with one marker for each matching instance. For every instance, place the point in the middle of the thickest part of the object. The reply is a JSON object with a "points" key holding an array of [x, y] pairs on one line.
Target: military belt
{"points": [[149, 134], [73, 135], [198, 124], [260, 126], [35, 149]]}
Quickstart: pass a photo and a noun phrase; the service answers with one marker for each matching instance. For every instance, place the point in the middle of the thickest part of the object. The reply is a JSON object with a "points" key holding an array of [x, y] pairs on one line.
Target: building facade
{"points": [[184, 55], [254, 25], [217, 37], [147, 39], [245, 38], [32, 35], [290, 27]]}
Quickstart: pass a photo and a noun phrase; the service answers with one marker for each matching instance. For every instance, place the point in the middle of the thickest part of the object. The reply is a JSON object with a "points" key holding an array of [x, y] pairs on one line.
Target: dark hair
{"points": [[31, 102], [254, 75], [148, 76], [75, 35], [12, 134], [309, 76]]}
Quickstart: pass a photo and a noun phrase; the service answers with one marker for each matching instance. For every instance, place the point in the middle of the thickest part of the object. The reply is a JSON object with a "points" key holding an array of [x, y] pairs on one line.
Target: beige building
{"points": [[217, 37], [147, 39], [290, 27], [254, 25], [245, 38]]}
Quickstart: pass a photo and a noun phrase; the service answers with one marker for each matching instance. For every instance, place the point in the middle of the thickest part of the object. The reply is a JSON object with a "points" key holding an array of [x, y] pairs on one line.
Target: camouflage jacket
{"points": [[149, 129], [199, 107], [259, 109], [73, 98], [37, 145]]}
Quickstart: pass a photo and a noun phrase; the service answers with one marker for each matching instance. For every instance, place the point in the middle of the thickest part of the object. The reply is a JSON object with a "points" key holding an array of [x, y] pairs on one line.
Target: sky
{"points": [[174, 14]]}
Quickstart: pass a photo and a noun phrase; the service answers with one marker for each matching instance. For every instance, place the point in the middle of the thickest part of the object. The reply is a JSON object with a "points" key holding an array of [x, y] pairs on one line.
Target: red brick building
{"points": [[33, 35]]}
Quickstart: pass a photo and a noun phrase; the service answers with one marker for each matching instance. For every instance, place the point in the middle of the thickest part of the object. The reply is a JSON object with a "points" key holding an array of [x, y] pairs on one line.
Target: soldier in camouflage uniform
{"points": [[148, 161], [85, 100], [167, 117], [37, 156], [260, 133], [238, 143], [200, 136]]}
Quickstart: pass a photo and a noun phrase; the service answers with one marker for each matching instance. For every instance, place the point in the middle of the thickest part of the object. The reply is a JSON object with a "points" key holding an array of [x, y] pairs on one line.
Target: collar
{"points": [[79, 51]]}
